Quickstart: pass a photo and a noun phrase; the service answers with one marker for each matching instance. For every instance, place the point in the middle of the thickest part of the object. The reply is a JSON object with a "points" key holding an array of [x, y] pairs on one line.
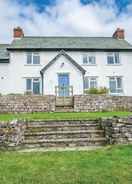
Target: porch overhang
{"points": [[63, 53]]}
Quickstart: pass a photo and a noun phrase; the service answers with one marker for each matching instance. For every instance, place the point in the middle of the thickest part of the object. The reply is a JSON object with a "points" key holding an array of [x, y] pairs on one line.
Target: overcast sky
{"points": [[65, 17]]}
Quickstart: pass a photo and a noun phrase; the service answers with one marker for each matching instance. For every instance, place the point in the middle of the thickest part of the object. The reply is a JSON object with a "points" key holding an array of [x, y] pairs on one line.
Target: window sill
{"points": [[116, 94], [32, 65], [89, 65], [113, 64]]}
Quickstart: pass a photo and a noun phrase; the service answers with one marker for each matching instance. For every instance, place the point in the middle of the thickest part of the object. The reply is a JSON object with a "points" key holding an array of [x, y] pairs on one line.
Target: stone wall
{"points": [[93, 103], [47, 103], [11, 134], [26, 103], [118, 130]]}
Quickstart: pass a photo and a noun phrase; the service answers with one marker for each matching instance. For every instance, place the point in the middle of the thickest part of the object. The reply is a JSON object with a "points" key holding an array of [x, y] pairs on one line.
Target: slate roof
{"points": [[4, 56], [70, 43], [63, 53]]}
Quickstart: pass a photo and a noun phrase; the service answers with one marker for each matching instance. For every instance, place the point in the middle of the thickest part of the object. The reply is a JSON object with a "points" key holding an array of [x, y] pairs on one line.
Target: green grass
{"points": [[62, 116], [110, 165]]}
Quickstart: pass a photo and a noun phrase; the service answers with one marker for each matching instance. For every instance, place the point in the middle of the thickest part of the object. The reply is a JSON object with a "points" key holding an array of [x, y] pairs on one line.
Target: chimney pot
{"points": [[119, 34], [18, 32]]}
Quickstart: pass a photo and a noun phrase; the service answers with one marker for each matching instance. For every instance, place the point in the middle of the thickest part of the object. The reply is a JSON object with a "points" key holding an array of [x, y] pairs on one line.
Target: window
{"points": [[33, 85], [113, 58], [89, 60], [90, 82], [115, 85], [33, 58]]}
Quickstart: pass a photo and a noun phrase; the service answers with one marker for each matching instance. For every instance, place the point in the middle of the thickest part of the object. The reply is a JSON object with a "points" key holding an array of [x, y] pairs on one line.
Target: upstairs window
{"points": [[89, 60], [113, 58], [90, 82], [115, 85], [33, 58]]}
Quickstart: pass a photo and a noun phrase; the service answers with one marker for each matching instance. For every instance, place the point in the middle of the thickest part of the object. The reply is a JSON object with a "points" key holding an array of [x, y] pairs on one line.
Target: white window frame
{"points": [[119, 91], [113, 54], [32, 58], [88, 62], [89, 78], [32, 81]]}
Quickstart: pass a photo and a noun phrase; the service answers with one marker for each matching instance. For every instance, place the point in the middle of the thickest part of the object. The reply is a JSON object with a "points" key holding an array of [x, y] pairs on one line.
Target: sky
{"points": [[65, 17]]}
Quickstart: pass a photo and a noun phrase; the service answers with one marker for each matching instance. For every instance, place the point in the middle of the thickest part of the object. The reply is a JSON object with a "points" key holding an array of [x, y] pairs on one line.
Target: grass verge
{"points": [[62, 116], [110, 165]]}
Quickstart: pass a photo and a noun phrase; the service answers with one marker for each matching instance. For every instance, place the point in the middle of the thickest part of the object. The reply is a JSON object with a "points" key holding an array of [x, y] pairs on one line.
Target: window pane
{"points": [[85, 61], [119, 83], [36, 87], [92, 60], [112, 85], [110, 59], [28, 84], [29, 58], [36, 59], [93, 83], [117, 59], [86, 83]]}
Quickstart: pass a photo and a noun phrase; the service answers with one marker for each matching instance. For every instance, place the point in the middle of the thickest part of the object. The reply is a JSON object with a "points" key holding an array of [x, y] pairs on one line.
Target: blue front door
{"points": [[63, 81]]}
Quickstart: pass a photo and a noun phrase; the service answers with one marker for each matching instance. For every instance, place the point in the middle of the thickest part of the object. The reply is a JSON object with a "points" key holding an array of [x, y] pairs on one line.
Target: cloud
{"points": [[66, 17]]}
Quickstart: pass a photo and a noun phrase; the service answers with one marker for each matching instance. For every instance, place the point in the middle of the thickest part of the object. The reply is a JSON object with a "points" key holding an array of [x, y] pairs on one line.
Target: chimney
{"points": [[18, 32], [119, 34]]}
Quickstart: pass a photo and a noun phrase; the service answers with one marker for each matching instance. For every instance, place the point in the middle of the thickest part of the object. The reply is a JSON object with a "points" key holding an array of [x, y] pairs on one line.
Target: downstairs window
{"points": [[33, 85]]}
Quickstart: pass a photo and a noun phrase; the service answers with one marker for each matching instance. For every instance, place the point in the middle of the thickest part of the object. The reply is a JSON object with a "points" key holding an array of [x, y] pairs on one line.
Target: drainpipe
{"points": [[42, 78], [83, 82]]}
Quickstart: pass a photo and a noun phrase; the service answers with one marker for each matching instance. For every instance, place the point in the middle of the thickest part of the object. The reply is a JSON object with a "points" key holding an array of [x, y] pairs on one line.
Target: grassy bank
{"points": [[110, 165], [61, 115]]}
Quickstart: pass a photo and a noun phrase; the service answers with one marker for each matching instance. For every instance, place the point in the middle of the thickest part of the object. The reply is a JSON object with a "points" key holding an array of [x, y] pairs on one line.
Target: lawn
{"points": [[61, 115], [110, 165]]}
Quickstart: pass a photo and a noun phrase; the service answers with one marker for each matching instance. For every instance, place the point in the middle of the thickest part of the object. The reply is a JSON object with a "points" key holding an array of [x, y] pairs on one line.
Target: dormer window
{"points": [[89, 60], [33, 58], [113, 58]]}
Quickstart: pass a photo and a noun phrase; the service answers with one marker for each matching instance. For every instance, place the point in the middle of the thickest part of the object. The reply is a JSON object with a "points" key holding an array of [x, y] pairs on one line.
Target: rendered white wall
{"points": [[51, 76], [16, 71]]}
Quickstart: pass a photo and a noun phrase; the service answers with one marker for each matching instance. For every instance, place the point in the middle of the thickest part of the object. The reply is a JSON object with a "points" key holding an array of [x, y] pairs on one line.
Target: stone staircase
{"points": [[63, 134], [64, 104]]}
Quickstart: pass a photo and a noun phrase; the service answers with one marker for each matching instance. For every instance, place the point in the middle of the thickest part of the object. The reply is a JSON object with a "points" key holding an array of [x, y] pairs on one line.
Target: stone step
{"points": [[64, 134], [64, 109], [61, 127], [61, 122], [76, 142]]}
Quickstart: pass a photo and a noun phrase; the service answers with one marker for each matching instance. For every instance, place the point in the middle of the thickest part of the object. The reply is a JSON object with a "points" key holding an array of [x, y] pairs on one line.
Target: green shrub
{"points": [[101, 90], [15, 94], [91, 91], [28, 93]]}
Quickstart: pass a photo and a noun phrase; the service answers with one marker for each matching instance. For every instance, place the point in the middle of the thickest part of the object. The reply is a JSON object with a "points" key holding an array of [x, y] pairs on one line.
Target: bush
{"points": [[92, 91], [101, 90], [28, 93], [14, 94]]}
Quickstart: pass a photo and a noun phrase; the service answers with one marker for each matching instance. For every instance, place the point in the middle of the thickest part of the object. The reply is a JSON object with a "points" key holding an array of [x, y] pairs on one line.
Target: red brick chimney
{"points": [[119, 34], [18, 32]]}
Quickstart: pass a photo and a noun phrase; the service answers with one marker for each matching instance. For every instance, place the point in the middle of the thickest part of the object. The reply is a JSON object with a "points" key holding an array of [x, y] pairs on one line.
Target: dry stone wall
{"points": [[48, 103], [26, 103], [93, 103], [116, 130]]}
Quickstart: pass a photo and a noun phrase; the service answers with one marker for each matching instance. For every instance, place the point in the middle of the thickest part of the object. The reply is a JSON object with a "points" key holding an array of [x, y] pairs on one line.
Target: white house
{"points": [[66, 65]]}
